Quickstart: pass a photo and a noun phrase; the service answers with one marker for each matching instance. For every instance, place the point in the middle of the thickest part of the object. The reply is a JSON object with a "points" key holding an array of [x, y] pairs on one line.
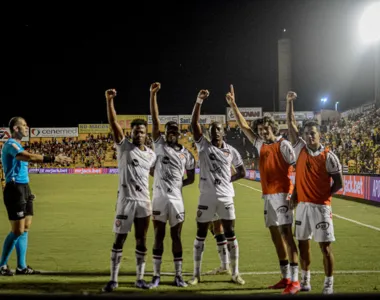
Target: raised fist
{"points": [[203, 94], [110, 94], [291, 96], [155, 87]]}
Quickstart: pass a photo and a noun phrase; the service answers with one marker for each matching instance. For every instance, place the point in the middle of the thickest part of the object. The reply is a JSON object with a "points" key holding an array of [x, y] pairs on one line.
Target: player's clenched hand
{"points": [[155, 87], [62, 159], [230, 96], [291, 96], [203, 94], [110, 94]]}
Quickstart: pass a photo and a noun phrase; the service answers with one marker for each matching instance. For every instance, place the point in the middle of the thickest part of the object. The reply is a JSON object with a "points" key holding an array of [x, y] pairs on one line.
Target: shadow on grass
{"points": [[125, 287]]}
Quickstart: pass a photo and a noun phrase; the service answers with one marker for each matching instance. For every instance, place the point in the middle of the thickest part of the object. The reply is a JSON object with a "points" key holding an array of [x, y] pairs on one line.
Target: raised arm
{"points": [[230, 97], [154, 88], [195, 126], [290, 118], [112, 119]]}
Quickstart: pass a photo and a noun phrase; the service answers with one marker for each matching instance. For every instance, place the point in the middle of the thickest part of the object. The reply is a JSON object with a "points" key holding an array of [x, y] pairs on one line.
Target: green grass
{"points": [[72, 236]]}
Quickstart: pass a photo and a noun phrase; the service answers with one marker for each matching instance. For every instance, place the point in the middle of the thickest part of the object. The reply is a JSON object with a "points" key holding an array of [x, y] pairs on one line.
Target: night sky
{"points": [[65, 63]]}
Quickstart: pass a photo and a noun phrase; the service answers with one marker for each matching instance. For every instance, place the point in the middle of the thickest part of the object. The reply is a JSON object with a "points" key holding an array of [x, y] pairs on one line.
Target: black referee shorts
{"points": [[18, 200]]}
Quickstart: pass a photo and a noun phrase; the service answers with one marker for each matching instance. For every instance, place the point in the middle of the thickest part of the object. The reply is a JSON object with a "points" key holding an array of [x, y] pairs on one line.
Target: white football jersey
{"points": [[215, 168], [134, 166], [169, 169]]}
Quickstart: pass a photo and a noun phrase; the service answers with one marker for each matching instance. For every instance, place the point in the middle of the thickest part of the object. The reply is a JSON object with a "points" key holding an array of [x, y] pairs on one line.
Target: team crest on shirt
{"points": [[226, 154], [181, 156], [117, 223], [149, 155]]}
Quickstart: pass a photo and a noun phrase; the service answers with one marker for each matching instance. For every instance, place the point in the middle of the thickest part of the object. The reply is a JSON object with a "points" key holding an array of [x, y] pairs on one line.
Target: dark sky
{"points": [[63, 64]]}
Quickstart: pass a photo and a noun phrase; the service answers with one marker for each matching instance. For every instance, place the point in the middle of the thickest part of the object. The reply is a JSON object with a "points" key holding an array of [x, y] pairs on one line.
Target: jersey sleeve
{"points": [[298, 146], [159, 145], [12, 149], [237, 161], [333, 166], [258, 144], [124, 145], [202, 144], [287, 152], [190, 161]]}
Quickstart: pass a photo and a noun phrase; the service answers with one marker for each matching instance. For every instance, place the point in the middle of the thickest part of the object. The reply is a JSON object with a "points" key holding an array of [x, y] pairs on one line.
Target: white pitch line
{"points": [[248, 186], [317, 272], [356, 222], [242, 273], [277, 272], [335, 215]]}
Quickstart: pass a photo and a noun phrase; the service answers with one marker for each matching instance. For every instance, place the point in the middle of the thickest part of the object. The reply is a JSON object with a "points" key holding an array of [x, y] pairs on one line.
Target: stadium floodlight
{"points": [[324, 100], [369, 24]]}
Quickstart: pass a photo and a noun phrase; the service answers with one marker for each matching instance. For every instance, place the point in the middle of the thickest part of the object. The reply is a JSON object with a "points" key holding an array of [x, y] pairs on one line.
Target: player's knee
{"points": [[202, 230], [218, 230], [159, 235], [229, 233], [119, 241], [175, 235], [220, 238], [228, 226], [326, 249], [18, 231], [285, 231]]}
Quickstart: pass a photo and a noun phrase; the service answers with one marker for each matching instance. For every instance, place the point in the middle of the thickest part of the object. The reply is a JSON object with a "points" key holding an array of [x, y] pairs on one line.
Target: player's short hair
{"points": [[138, 122], [311, 123], [13, 122], [215, 123], [265, 120], [171, 124]]}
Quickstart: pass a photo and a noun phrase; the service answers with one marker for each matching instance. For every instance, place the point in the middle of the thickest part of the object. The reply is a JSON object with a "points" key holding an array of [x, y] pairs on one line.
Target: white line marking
{"points": [[316, 272], [242, 273], [248, 187], [335, 215], [356, 222], [277, 272]]}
